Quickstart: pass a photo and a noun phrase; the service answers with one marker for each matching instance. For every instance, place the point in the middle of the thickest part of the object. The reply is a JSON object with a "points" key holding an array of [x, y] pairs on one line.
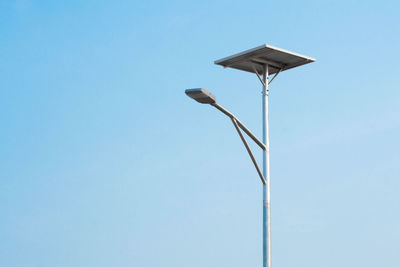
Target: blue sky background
{"points": [[105, 162]]}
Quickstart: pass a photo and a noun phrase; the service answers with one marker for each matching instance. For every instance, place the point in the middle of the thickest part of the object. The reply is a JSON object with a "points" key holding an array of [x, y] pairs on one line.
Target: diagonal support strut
{"points": [[248, 150]]}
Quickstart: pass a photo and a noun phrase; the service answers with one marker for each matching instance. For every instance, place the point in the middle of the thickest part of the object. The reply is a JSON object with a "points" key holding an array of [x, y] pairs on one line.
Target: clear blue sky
{"points": [[105, 162]]}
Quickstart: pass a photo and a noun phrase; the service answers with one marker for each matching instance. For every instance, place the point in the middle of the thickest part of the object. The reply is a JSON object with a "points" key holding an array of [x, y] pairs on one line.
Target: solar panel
{"points": [[276, 58]]}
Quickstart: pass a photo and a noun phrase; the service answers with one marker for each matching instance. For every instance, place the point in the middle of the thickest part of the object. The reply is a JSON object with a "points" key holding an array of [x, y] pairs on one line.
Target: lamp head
{"points": [[201, 95]]}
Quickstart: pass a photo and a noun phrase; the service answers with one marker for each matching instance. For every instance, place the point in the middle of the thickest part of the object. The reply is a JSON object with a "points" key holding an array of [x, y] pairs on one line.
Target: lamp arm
{"points": [[241, 125]]}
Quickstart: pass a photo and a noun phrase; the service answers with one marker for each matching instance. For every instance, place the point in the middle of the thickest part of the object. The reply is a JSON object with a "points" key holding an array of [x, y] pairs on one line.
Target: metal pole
{"points": [[266, 173]]}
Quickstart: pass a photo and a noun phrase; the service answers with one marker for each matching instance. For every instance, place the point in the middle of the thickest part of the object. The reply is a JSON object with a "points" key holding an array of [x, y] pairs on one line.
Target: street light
{"points": [[262, 60], [201, 95]]}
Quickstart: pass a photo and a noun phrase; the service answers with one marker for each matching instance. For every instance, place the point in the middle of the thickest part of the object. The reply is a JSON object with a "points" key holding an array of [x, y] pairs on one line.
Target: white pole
{"points": [[266, 174]]}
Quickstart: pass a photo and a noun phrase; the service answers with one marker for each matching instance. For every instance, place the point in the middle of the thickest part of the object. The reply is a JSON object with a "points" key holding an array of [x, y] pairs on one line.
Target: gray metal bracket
{"points": [[259, 76]]}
